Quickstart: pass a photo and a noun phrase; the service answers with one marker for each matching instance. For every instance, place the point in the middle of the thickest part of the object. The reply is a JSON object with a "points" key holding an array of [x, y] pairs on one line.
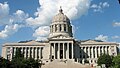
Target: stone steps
{"points": [[64, 65]]}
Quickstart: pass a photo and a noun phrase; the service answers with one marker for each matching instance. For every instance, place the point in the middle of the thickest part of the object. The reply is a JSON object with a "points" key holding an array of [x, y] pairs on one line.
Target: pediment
{"points": [[90, 41], [61, 37], [33, 42], [95, 42]]}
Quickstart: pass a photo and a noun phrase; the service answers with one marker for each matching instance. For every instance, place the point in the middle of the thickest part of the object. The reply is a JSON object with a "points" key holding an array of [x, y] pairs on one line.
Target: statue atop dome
{"points": [[61, 11], [60, 17]]}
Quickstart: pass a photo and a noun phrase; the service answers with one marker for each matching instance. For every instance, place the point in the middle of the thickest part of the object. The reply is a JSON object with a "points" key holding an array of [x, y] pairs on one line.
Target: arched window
{"points": [[52, 28], [55, 27], [65, 27]]}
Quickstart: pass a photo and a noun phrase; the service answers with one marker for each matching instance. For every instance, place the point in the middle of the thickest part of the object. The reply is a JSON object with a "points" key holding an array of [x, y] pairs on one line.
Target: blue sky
{"points": [[22, 20]]}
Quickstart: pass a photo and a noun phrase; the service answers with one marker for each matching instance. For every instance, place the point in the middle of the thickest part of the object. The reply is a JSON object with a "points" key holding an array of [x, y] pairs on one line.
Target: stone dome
{"points": [[60, 17], [60, 25]]}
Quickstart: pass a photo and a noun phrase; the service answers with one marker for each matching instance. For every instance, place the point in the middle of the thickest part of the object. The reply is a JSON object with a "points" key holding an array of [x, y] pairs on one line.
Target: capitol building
{"points": [[61, 47]]}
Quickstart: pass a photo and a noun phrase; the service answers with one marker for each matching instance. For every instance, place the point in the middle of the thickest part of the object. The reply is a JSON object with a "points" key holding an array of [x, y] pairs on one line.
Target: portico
{"points": [[61, 50]]}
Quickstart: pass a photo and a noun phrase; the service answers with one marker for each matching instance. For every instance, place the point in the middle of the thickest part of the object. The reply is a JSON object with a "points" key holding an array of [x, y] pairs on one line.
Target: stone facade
{"points": [[61, 46]]}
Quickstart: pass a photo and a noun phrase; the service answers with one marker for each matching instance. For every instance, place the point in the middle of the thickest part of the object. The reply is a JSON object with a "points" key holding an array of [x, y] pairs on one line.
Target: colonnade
{"points": [[93, 51], [61, 51], [59, 28], [33, 52]]}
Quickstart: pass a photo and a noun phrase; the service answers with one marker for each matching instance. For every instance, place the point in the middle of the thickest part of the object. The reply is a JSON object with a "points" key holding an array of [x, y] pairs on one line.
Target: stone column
{"points": [[58, 50], [67, 54], [63, 51], [11, 52], [22, 49], [92, 52], [14, 50], [85, 52], [39, 52], [95, 52], [54, 50], [62, 27], [106, 50], [99, 51], [36, 53], [57, 27], [115, 51], [83, 61], [28, 52], [110, 53], [89, 52], [102, 49], [25, 52], [32, 52]]}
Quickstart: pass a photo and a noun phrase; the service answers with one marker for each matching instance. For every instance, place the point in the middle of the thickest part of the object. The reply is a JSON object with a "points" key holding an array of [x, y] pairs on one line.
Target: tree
{"points": [[31, 63], [105, 59], [18, 54], [4, 63], [19, 61], [116, 61]]}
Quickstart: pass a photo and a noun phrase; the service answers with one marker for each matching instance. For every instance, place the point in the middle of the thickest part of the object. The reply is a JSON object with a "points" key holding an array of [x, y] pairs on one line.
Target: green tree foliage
{"points": [[19, 61], [4, 63], [31, 63], [116, 61], [105, 59], [25, 63], [18, 54]]}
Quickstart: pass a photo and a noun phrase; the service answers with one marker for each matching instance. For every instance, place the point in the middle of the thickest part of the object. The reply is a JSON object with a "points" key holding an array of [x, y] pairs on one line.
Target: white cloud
{"points": [[9, 30], [20, 16], [116, 37], [4, 13], [6, 18], [46, 11], [41, 33], [48, 8], [116, 24], [11, 22], [102, 38], [100, 6], [94, 6], [4, 9], [105, 4]]}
